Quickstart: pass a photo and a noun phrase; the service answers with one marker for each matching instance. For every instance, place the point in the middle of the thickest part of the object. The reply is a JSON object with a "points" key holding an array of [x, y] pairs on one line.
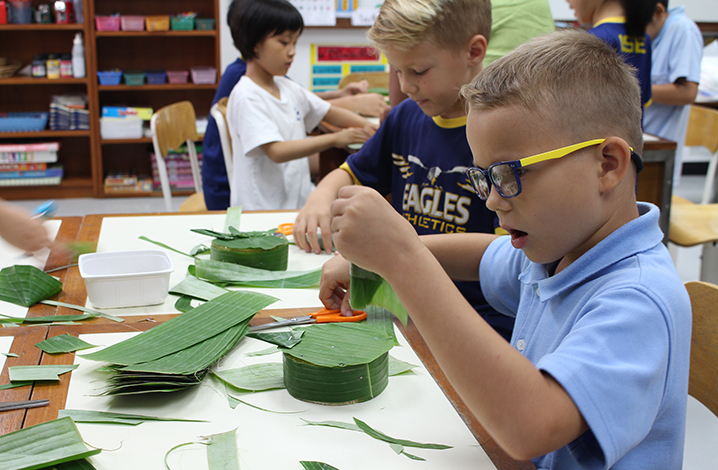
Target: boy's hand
{"points": [[370, 233], [314, 215], [334, 286], [369, 104], [353, 135], [355, 88]]}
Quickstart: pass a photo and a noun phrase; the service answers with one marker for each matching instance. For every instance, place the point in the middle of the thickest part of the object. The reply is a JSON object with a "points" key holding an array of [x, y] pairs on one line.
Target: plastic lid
{"points": [[78, 38]]}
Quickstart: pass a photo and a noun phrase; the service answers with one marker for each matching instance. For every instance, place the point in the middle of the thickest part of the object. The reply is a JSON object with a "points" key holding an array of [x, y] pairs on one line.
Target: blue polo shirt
{"points": [[614, 329]]}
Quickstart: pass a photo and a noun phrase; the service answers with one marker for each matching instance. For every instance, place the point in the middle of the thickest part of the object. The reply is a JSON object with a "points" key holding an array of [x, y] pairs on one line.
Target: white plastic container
{"points": [[126, 278], [121, 128], [78, 57]]}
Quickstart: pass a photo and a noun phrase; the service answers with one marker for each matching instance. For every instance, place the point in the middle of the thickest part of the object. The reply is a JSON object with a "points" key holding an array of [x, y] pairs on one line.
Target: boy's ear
{"points": [[615, 163], [476, 49]]}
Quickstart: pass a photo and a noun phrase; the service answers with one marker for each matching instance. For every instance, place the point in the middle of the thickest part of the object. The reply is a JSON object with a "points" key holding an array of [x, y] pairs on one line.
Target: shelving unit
{"points": [[18, 94], [86, 157]]}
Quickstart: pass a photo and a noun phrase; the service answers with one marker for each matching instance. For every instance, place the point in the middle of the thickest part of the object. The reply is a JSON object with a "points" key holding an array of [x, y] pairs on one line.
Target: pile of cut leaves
{"points": [[178, 353]]}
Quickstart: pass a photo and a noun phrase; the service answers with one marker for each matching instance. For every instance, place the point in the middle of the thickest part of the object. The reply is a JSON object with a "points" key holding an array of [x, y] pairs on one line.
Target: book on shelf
{"points": [[49, 176], [28, 166], [44, 152]]}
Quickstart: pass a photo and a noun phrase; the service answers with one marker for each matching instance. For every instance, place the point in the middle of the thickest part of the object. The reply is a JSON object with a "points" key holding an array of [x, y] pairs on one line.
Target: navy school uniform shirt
{"points": [[421, 162], [634, 50]]}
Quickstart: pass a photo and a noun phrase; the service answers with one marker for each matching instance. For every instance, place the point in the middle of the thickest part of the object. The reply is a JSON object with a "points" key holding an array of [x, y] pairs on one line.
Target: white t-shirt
{"points": [[255, 118]]}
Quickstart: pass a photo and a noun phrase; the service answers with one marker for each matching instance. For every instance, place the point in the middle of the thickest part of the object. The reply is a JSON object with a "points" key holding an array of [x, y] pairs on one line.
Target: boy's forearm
{"points": [[680, 93], [341, 117], [333, 182], [459, 253], [284, 151], [527, 412]]}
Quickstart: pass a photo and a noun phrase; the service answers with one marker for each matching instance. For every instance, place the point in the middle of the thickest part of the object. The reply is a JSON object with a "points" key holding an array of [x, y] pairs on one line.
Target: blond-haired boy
{"points": [[419, 154], [596, 375]]}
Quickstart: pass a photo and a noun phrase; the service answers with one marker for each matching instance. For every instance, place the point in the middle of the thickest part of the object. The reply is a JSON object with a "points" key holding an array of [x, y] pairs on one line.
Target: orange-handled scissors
{"points": [[285, 229], [320, 316]]}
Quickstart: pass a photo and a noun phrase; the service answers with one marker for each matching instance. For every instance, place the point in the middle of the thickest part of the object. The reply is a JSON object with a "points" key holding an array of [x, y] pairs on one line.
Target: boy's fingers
{"points": [[346, 307]]}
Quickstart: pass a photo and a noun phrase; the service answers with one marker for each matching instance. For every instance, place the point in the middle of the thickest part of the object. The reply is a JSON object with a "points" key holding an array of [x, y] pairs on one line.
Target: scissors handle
{"points": [[335, 316], [285, 229]]}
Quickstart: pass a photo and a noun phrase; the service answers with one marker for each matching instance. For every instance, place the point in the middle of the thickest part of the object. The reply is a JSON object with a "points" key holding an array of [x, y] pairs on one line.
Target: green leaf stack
{"points": [[263, 250], [338, 364], [26, 285], [178, 353]]}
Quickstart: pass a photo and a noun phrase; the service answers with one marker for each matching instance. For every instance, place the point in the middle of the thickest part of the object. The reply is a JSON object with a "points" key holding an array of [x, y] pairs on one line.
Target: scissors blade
{"points": [[288, 322], [18, 405]]}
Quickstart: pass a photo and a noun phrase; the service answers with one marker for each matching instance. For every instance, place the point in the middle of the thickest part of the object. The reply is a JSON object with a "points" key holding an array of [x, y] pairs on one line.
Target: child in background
{"points": [[420, 152], [596, 375], [269, 115], [675, 72], [215, 182], [622, 25]]}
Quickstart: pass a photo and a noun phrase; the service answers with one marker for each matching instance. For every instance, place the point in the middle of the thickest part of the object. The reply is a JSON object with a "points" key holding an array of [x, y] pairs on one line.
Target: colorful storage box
{"points": [[134, 78], [133, 22], [158, 23], [109, 77], [177, 76], [23, 122], [107, 23], [203, 75], [205, 24], [156, 77], [182, 23]]}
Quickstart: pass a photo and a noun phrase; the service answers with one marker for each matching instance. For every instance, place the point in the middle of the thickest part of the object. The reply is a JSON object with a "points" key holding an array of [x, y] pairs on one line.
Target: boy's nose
{"points": [[495, 201], [406, 86]]}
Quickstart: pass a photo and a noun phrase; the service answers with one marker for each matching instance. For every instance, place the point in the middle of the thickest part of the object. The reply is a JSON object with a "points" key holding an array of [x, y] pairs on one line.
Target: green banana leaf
{"points": [[106, 417], [217, 271], [340, 344], [184, 304], [81, 464], [26, 285], [254, 378], [383, 437], [15, 385], [198, 289], [234, 215], [367, 288], [83, 309], [397, 367], [63, 344], [43, 445], [222, 451], [45, 319], [27, 373], [311, 465], [285, 339], [183, 331]]}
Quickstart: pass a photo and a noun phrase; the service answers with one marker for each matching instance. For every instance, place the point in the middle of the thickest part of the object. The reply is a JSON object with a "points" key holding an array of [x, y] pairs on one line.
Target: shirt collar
{"points": [[612, 19]]}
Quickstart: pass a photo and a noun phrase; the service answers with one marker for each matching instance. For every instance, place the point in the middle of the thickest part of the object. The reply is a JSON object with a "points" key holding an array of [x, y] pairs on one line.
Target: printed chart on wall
{"points": [[331, 62]]}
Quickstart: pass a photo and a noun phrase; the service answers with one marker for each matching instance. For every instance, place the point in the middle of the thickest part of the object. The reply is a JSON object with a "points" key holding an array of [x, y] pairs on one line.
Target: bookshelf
{"points": [[86, 157]]}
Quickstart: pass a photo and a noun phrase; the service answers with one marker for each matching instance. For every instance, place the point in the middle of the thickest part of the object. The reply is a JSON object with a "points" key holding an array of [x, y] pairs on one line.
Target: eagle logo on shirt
{"points": [[434, 171]]}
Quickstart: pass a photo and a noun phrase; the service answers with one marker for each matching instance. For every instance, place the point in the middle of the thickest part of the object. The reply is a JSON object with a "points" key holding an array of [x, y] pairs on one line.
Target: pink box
{"points": [[204, 75], [107, 23], [177, 76], [133, 23]]}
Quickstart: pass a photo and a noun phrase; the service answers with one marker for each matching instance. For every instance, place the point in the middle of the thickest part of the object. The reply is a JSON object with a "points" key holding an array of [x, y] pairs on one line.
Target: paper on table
{"points": [[122, 233], [10, 256], [5, 345], [412, 407]]}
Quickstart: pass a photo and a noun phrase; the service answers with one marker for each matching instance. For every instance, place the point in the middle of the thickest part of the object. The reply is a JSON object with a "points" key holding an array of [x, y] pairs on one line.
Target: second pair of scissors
{"points": [[321, 316]]}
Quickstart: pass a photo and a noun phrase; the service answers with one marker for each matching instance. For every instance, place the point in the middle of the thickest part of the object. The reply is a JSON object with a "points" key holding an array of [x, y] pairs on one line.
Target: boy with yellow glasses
{"points": [[596, 373]]}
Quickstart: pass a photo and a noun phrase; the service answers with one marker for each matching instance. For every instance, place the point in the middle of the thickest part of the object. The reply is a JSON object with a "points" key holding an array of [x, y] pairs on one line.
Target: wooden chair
{"points": [[219, 113], [697, 224], [375, 79], [171, 127], [703, 380]]}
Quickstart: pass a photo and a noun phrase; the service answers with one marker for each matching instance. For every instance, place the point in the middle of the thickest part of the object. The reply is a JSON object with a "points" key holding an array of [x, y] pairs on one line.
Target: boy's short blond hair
{"points": [[576, 82], [402, 24]]}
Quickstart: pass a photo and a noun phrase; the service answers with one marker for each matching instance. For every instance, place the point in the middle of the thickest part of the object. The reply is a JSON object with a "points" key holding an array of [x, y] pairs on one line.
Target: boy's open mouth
{"points": [[518, 238]]}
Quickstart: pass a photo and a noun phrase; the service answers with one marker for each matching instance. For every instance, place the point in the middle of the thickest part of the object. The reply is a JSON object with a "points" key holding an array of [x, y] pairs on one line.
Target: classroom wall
{"points": [[698, 10]]}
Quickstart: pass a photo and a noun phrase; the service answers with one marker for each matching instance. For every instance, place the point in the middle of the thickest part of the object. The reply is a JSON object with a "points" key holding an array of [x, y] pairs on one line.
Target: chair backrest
{"points": [[219, 113], [703, 382], [702, 131], [375, 79], [171, 127]]}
